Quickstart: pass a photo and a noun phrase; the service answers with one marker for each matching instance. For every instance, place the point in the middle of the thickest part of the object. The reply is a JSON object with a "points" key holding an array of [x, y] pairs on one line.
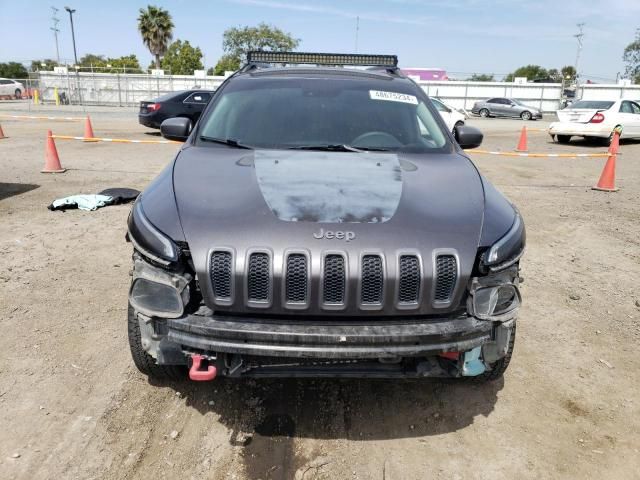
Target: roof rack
{"points": [[334, 59]]}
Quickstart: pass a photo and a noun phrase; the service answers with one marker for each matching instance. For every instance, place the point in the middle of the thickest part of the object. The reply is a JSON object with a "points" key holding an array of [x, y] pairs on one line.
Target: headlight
{"points": [[150, 241], [157, 292], [508, 250], [494, 302], [496, 296]]}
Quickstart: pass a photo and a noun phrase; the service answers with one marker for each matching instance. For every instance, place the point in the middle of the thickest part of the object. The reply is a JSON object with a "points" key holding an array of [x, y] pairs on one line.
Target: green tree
{"points": [[124, 64], [156, 27], [631, 57], [91, 60], [554, 75], [568, 72], [227, 63], [102, 64], [182, 59], [532, 72], [482, 77], [237, 41], [47, 65], [13, 70]]}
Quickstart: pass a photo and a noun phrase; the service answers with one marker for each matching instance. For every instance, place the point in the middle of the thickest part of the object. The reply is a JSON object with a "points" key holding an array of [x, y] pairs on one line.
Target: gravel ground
{"points": [[73, 406]]}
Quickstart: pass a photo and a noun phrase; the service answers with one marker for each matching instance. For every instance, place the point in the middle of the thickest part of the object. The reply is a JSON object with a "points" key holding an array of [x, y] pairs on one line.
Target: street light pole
{"points": [[73, 34], [75, 53]]}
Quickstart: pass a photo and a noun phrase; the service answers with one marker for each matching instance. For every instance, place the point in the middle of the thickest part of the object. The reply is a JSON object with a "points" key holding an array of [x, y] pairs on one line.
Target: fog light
{"points": [[156, 299], [492, 302]]}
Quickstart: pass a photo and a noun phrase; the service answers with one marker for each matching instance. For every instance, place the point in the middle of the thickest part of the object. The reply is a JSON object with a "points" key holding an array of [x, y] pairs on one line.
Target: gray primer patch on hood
{"points": [[332, 187]]}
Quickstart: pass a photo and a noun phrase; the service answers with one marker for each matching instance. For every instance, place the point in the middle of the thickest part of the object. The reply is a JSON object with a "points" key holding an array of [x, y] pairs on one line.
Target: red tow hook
{"points": [[198, 375]]}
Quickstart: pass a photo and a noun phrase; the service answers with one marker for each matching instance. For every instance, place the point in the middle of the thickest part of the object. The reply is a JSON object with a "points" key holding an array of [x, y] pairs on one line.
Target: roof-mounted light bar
{"points": [[341, 59]]}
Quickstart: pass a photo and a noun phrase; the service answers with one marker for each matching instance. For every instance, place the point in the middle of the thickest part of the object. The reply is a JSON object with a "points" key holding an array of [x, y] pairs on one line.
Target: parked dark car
{"points": [[506, 107], [323, 221], [187, 104]]}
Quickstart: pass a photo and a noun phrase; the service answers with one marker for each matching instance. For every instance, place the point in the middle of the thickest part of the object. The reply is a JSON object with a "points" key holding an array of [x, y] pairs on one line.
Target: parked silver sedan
{"points": [[506, 107]]}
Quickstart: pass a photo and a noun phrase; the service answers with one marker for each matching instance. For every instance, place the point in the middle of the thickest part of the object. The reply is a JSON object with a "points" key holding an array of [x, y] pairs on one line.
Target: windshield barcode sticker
{"points": [[393, 97]]}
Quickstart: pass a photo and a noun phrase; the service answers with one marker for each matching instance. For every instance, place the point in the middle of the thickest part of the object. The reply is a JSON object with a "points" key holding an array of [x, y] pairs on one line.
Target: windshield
{"points": [[303, 112], [592, 104]]}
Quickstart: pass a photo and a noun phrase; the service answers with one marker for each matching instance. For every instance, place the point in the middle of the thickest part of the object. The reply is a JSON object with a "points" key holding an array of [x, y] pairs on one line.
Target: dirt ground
{"points": [[72, 404]]}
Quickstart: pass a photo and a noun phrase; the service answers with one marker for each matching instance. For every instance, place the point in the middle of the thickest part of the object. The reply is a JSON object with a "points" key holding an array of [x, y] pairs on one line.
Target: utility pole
{"points": [[55, 30], [73, 34], [357, 31], [75, 54], [579, 37]]}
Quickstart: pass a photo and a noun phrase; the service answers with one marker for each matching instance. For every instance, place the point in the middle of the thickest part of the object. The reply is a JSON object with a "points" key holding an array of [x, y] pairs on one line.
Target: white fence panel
{"points": [[131, 89], [610, 92], [462, 94]]}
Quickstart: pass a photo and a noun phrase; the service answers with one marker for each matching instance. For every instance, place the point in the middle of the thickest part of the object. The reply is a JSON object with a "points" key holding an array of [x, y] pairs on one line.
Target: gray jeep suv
{"points": [[321, 220]]}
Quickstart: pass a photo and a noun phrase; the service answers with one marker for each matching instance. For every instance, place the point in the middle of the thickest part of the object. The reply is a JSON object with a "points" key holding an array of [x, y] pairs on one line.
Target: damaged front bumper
{"points": [[241, 346], [465, 344]]}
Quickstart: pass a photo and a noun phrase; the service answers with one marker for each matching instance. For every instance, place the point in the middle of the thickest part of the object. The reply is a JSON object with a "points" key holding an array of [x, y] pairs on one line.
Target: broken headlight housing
{"points": [[148, 240], [156, 292], [495, 297]]}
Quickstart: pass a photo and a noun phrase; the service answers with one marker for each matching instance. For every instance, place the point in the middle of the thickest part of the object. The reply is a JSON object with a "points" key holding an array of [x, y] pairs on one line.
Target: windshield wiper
{"points": [[336, 148], [224, 141]]}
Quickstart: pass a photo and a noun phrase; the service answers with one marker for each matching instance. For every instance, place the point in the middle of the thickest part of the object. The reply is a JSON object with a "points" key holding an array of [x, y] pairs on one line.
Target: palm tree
{"points": [[156, 27]]}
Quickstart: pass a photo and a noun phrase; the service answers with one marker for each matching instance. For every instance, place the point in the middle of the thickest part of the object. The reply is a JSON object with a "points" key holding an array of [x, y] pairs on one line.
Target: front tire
{"points": [[526, 115], [18, 94], [459, 123], [145, 362], [484, 113], [563, 138]]}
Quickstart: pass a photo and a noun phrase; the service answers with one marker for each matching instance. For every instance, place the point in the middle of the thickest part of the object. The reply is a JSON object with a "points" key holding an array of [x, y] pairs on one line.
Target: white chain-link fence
{"points": [[126, 89]]}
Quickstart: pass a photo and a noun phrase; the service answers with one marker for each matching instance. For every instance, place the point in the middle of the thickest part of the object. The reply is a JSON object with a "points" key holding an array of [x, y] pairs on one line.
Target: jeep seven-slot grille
{"points": [[221, 274], [372, 281], [291, 286], [258, 277], [446, 277], [296, 278], [409, 288], [333, 285]]}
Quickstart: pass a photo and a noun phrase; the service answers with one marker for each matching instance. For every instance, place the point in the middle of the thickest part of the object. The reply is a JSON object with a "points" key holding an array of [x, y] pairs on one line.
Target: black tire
{"points": [[498, 368], [145, 362], [526, 115], [18, 93], [459, 123], [563, 138], [484, 113]]}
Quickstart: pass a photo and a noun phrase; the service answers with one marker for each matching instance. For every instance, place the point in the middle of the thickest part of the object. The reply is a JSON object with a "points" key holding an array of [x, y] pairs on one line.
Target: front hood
{"points": [[319, 202]]}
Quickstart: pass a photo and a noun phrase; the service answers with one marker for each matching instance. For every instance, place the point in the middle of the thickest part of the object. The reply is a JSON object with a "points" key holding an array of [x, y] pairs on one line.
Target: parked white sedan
{"points": [[598, 119], [11, 88], [451, 116]]}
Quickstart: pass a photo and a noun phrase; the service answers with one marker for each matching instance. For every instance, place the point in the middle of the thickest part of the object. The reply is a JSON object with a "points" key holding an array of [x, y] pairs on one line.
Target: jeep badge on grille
{"points": [[338, 235]]}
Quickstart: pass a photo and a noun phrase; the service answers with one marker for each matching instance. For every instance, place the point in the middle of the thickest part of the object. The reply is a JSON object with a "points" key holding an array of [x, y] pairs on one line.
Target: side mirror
{"points": [[177, 128], [468, 137]]}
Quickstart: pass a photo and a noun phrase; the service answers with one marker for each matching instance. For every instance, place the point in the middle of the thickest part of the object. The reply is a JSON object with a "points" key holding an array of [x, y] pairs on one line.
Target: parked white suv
{"points": [[11, 88]]}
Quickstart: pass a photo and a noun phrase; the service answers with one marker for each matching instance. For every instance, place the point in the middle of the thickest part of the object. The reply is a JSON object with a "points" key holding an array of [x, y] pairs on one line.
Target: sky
{"points": [[460, 36]]}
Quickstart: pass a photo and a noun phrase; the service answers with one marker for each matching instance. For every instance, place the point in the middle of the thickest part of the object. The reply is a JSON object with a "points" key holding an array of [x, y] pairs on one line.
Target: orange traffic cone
{"points": [[88, 131], [522, 144], [2, 135], [607, 182], [51, 159]]}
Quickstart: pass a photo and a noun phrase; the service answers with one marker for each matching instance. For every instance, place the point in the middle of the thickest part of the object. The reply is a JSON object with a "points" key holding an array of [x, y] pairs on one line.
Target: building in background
{"points": [[425, 73]]}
